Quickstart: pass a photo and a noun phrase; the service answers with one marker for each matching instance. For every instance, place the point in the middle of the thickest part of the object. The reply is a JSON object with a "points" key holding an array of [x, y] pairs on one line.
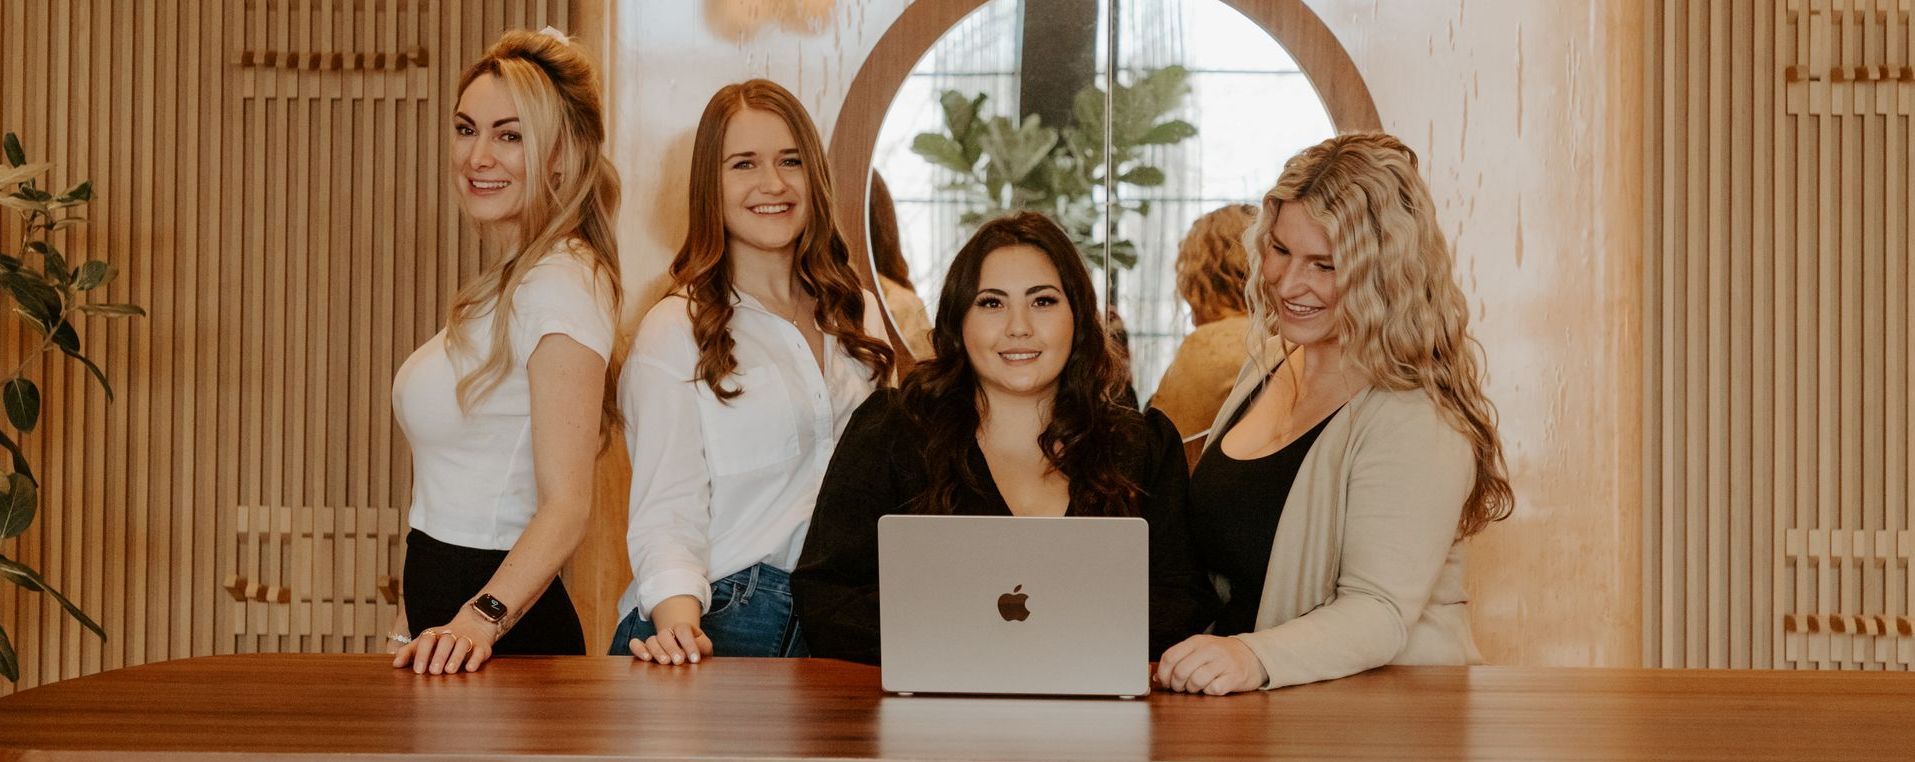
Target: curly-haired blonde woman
{"points": [[506, 407], [1357, 452]]}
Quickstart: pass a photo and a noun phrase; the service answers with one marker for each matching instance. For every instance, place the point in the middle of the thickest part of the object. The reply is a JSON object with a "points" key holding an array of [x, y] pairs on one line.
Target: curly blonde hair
{"points": [[1211, 263], [1401, 317]]}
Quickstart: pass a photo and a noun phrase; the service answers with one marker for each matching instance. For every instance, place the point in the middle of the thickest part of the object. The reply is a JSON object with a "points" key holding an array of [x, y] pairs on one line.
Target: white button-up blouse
{"points": [[719, 487]]}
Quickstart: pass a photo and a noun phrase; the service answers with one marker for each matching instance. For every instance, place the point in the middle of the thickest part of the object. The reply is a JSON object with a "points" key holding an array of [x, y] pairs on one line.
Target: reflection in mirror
{"points": [[988, 122], [1252, 108], [1007, 110]]}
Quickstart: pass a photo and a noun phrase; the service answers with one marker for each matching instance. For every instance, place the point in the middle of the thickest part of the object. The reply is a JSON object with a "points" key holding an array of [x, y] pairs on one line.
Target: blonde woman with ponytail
{"points": [[1356, 453], [505, 408]]}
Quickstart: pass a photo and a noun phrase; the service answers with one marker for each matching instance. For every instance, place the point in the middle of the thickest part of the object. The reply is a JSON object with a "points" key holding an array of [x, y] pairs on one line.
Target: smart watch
{"points": [[489, 607]]}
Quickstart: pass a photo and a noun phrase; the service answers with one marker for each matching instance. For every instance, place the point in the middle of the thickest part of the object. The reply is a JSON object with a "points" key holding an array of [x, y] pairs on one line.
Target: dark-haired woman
{"points": [[1017, 414], [738, 386]]}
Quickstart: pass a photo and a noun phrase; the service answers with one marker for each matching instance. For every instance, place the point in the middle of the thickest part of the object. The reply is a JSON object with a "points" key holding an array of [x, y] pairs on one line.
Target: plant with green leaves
{"points": [[49, 293], [1003, 166]]}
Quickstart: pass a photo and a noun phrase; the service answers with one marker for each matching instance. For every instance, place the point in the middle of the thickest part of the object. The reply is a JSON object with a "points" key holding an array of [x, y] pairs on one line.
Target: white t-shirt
{"points": [[472, 478], [720, 487]]}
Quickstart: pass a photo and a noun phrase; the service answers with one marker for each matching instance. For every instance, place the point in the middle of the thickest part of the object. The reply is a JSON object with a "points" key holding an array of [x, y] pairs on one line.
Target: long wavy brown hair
{"points": [[1091, 439], [572, 192], [821, 259], [1402, 320]]}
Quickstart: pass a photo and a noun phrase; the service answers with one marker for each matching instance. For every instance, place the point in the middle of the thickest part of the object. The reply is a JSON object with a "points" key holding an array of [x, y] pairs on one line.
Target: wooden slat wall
{"points": [[273, 199], [1777, 335]]}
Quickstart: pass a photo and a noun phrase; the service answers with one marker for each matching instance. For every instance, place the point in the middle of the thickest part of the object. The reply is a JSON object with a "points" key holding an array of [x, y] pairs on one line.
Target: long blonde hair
{"points": [[1402, 320], [555, 88]]}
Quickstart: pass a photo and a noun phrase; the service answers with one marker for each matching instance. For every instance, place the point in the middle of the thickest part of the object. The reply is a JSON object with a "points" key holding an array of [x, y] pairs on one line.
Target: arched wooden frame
{"points": [[1298, 29]]}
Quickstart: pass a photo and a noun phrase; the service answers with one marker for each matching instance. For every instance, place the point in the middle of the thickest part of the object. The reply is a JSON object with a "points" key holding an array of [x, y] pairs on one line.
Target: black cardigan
{"points": [[878, 468]]}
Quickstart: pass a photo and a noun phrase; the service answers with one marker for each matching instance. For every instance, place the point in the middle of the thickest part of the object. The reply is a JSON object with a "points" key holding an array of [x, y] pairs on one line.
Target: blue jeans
{"points": [[751, 615]]}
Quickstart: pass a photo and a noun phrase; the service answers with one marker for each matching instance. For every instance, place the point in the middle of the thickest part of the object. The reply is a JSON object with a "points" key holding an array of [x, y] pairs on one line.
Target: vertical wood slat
{"points": [[245, 207], [1654, 145], [1899, 597], [1695, 388], [1764, 567], [1779, 290], [1716, 328], [1740, 157]]}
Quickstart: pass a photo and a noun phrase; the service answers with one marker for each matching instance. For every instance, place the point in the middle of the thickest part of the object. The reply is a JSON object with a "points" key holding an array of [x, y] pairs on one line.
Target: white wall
{"points": [[1519, 111], [666, 59]]}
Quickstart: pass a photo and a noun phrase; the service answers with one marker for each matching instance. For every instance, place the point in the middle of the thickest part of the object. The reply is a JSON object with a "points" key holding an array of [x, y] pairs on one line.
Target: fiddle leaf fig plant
{"points": [[49, 294], [1005, 166]]}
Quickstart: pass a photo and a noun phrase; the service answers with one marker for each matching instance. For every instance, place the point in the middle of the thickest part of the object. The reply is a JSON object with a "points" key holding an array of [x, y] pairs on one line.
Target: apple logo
{"points": [[1011, 605]]}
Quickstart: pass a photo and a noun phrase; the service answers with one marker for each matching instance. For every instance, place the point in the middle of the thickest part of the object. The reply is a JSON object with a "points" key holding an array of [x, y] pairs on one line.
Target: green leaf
{"points": [[16, 155], [22, 173], [22, 401], [1146, 176], [81, 192], [37, 298], [17, 506], [17, 570], [54, 263], [20, 574], [69, 342], [113, 310], [959, 112], [940, 150], [1167, 133], [66, 222], [56, 267], [67, 339], [20, 465], [1015, 151], [23, 204], [9, 662], [92, 275], [10, 262]]}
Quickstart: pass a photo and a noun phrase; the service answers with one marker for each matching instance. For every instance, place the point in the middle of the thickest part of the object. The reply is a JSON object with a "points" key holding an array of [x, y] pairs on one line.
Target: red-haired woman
{"points": [[738, 386]]}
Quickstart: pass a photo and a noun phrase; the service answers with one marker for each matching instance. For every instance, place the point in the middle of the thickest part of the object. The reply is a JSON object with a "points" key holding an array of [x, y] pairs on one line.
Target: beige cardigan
{"points": [[1366, 568]]}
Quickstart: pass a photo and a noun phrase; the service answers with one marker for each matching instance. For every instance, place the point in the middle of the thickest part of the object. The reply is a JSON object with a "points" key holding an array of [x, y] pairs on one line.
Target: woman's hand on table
{"points": [[1210, 665], [464, 643], [679, 639]]}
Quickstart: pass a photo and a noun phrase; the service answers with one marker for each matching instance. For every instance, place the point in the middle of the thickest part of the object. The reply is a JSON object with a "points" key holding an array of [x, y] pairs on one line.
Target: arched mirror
{"points": [[1126, 122]]}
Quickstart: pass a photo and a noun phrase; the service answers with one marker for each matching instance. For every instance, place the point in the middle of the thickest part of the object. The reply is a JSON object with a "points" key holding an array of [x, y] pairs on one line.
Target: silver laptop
{"points": [[1000, 604]]}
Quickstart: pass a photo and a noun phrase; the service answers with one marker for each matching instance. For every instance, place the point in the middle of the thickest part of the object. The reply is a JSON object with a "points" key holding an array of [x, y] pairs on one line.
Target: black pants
{"points": [[441, 577]]}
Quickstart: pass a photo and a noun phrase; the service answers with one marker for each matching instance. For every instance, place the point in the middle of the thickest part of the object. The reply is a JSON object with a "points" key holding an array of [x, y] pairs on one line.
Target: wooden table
{"points": [[773, 708]]}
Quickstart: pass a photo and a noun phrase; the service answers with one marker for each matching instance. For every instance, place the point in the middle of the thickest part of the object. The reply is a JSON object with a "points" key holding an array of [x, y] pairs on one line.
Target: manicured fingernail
{"points": [[694, 658]]}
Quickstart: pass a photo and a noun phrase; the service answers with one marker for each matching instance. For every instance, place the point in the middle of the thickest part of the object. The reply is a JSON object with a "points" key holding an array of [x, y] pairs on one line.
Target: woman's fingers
{"points": [[404, 655], [461, 648], [441, 651], [480, 654]]}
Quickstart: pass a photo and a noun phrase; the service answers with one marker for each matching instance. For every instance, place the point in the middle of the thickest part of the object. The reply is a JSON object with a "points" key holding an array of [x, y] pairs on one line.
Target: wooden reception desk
{"points": [[743, 708]]}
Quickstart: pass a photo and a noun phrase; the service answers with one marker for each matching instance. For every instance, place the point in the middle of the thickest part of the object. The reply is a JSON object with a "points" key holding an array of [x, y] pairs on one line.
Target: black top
{"points": [[1233, 518], [878, 468]]}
